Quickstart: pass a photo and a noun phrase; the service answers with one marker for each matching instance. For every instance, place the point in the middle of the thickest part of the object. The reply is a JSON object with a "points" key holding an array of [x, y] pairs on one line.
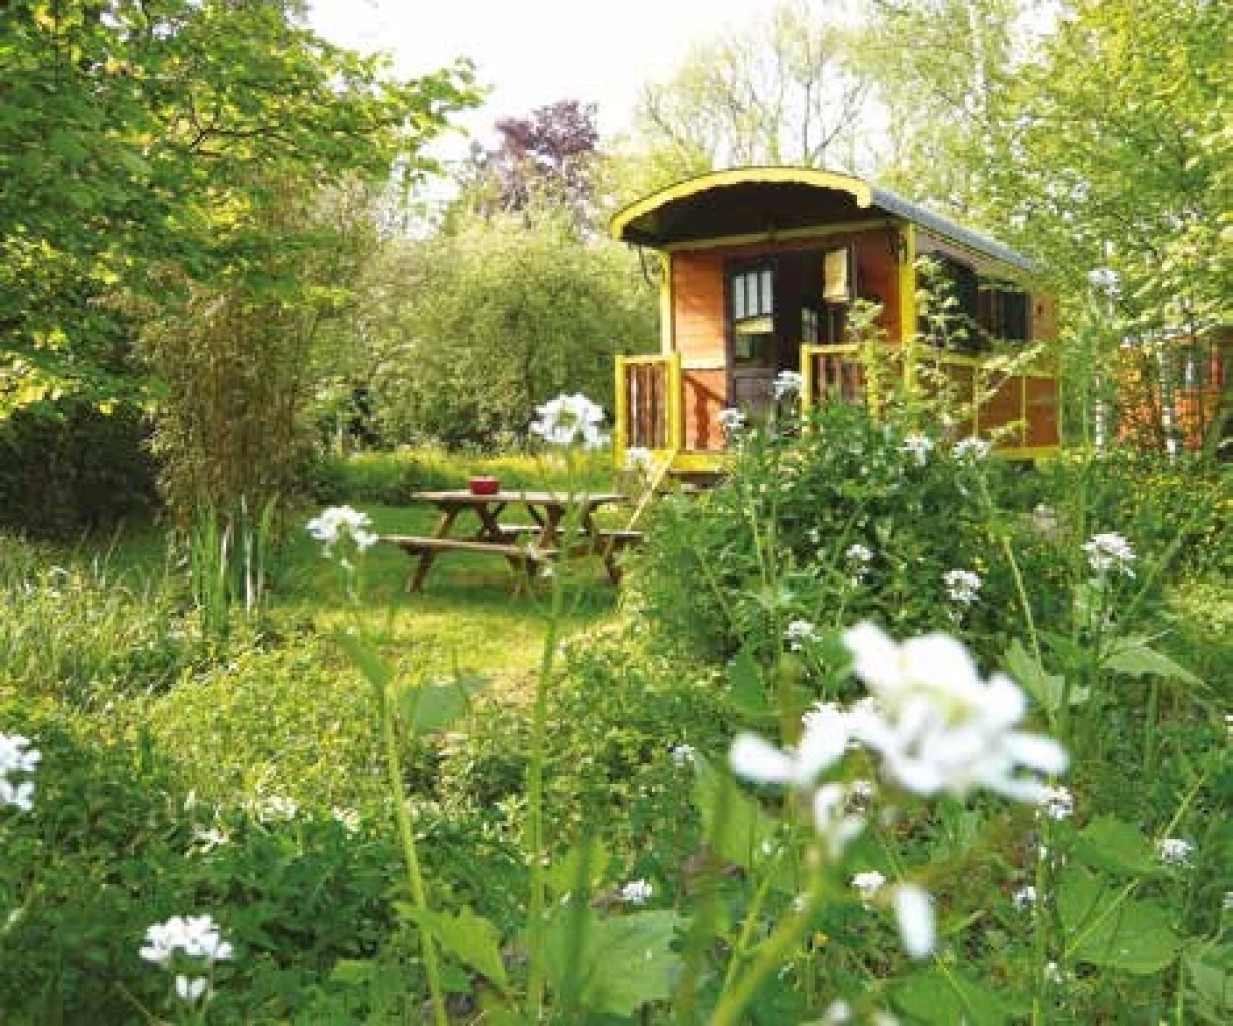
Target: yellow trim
{"points": [[784, 235], [907, 305], [676, 398], [858, 190], [1029, 452], [702, 462], [620, 415], [667, 316]]}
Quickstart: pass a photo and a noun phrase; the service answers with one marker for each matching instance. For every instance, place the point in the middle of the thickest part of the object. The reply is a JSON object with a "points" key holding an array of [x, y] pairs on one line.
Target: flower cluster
{"points": [[918, 447], [868, 884], [1110, 552], [636, 892], [570, 420], [198, 941], [340, 524], [788, 383], [938, 727], [731, 420], [972, 450], [800, 633], [16, 756], [962, 586], [638, 458], [1173, 851], [1056, 803], [1024, 898]]}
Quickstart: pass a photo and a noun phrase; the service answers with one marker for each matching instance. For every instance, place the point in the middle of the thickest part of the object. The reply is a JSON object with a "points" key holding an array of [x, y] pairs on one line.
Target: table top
{"points": [[466, 497]]}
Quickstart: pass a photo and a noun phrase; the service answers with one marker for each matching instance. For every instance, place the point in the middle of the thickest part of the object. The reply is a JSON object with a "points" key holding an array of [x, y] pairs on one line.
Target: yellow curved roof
{"points": [[649, 221], [860, 191]]}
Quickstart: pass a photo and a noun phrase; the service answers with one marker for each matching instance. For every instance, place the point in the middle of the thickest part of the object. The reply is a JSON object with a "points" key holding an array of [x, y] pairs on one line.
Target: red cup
{"points": [[484, 485]]}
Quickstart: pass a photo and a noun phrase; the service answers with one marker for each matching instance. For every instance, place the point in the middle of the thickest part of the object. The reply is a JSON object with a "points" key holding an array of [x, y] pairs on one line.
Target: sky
{"points": [[535, 52]]}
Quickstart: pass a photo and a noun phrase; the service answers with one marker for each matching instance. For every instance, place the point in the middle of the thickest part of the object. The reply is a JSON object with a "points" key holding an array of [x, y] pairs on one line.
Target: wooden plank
{"points": [[417, 545]]}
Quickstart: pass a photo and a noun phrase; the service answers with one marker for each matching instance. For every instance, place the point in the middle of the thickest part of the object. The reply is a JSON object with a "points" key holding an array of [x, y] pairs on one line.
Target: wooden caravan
{"points": [[760, 268]]}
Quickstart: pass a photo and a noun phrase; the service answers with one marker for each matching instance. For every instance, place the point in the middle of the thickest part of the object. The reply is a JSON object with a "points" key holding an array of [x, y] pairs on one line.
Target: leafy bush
{"points": [[774, 542], [71, 469]]}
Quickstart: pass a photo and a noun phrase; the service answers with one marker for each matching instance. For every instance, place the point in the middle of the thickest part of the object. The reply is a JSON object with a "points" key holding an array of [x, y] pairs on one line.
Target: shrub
{"points": [[74, 469]]}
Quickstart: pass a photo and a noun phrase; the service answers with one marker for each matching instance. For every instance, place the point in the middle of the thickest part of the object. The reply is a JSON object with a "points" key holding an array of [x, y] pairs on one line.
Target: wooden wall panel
{"points": [[1043, 318], [698, 301], [1001, 408], [1042, 412]]}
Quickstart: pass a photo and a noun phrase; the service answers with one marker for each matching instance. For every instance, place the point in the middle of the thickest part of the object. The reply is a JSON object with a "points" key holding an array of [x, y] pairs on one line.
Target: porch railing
{"points": [[986, 395], [649, 411]]}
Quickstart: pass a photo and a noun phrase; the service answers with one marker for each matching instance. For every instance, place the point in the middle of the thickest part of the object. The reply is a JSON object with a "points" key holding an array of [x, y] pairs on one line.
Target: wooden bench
{"points": [[522, 557]]}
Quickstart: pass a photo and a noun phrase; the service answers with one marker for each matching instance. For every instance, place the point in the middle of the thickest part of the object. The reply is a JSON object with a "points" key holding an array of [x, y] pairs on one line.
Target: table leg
{"points": [[445, 524]]}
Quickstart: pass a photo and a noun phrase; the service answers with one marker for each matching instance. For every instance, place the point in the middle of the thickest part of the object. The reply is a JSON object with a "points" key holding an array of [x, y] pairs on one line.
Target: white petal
{"points": [[875, 655], [754, 759], [914, 913], [1037, 752]]}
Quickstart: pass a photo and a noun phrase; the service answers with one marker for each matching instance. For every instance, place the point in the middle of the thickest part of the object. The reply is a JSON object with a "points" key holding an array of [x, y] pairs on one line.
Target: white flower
{"points": [[210, 839], [636, 892], [914, 913], [868, 884], [731, 420], [1173, 851], [861, 792], [348, 819], [683, 754], [1044, 519], [1110, 552], [1024, 898], [800, 633], [837, 1013], [859, 553], [1056, 802], [638, 458], [16, 756], [788, 383], [195, 936], [568, 420], [1227, 904], [823, 742], [275, 807], [341, 522], [938, 726], [962, 586], [972, 449], [918, 446], [190, 988], [1104, 279]]}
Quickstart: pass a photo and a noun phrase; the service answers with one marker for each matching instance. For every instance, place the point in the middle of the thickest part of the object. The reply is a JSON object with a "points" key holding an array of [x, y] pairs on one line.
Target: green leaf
{"points": [[1209, 971], [1133, 656], [472, 939], [935, 996], [626, 961], [565, 875], [736, 827], [1108, 930], [433, 707], [1048, 689], [748, 689], [366, 660], [1108, 843]]}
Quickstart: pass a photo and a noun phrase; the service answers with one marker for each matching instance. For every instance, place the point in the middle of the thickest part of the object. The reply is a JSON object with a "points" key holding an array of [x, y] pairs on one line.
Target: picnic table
{"points": [[545, 533]]}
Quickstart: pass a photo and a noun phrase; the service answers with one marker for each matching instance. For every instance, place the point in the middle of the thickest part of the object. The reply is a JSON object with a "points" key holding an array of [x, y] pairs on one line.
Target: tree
{"points": [[780, 90], [549, 153], [159, 161], [135, 135], [497, 316]]}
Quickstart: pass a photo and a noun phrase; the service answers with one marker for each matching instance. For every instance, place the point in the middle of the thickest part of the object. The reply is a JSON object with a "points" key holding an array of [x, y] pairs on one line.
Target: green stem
{"points": [[536, 903], [772, 953], [415, 879]]}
